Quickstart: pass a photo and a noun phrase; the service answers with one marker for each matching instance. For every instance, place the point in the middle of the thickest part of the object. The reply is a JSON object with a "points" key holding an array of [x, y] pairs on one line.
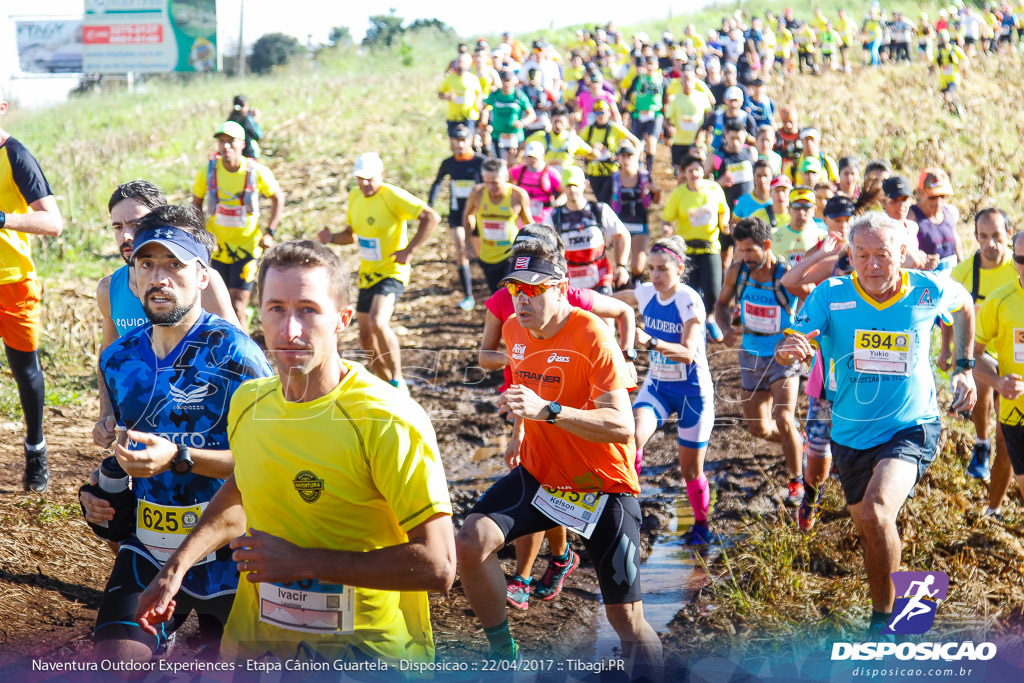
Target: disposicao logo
{"points": [[917, 595]]}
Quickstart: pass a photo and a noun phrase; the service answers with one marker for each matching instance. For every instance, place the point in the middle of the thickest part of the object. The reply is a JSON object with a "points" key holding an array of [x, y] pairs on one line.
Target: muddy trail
{"points": [[52, 570]]}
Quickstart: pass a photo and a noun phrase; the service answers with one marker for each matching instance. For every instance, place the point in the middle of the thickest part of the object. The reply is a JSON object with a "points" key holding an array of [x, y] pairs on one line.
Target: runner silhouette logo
{"points": [[917, 596]]}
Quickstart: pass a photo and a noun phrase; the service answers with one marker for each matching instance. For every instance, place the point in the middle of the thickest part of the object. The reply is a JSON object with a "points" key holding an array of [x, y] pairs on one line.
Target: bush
{"points": [[273, 49]]}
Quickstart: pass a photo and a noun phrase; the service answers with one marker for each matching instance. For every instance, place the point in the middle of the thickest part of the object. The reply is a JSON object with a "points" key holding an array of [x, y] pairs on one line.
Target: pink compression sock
{"points": [[699, 494]]}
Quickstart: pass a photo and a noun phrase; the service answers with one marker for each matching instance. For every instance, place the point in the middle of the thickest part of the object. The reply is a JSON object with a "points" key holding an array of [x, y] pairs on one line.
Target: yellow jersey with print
{"points": [[791, 245], [1000, 327], [988, 280], [609, 136], [560, 150], [21, 183], [699, 216], [354, 470], [467, 92], [378, 223], [235, 228], [496, 226], [776, 220], [686, 113]]}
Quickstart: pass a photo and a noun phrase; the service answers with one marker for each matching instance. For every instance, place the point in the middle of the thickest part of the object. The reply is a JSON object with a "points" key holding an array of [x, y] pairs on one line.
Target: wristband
{"points": [[3, 219]]}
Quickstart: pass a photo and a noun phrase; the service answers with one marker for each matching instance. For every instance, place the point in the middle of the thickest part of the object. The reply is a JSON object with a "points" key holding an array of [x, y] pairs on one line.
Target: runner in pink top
{"points": [[543, 184]]}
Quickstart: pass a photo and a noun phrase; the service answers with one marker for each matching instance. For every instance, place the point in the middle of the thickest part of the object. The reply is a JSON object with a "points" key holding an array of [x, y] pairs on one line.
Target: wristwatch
{"points": [[554, 410], [964, 363], [182, 461], [652, 343], [3, 219], [629, 354]]}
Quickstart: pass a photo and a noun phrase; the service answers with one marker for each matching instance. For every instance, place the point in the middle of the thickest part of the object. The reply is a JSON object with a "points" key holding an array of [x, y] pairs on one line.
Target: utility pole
{"points": [[241, 38]]}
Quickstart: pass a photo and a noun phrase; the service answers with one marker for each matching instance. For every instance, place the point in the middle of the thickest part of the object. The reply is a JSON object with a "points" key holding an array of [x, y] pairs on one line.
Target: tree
{"points": [[340, 36], [273, 49], [430, 25], [385, 30]]}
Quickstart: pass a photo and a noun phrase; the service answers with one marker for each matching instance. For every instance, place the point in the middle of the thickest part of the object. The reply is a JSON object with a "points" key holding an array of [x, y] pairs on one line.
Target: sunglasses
{"points": [[1019, 259], [517, 288]]}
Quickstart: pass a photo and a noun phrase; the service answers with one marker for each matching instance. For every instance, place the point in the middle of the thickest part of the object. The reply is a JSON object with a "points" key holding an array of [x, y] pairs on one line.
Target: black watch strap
{"points": [[182, 461], [964, 363]]}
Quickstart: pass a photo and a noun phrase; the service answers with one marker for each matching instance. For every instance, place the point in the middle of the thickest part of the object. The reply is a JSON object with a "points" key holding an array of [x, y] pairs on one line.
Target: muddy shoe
{"points": [[518, 592], [795, 494], [37, 474], [551, 584], [807, 514], [700, 534]]}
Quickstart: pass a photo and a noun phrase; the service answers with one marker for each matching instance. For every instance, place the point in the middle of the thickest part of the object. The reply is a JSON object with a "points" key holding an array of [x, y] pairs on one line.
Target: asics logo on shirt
{"points": [[555, 358], [192, 396]]}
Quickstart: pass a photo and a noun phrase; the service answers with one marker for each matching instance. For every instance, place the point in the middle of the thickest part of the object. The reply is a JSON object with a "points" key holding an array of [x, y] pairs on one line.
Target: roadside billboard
{"points": [[149, 36], [49, 46]]}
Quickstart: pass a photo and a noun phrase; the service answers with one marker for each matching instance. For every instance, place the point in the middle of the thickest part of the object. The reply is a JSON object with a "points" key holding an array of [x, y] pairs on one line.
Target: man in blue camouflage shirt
{"points": [[170, 383]]}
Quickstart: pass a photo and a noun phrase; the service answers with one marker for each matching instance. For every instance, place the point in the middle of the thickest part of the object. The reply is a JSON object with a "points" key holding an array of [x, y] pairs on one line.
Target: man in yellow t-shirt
{"points": [[561, 144], [988, 269], [1000, 331], [376, 218], [697, 211], [464, 94], [228, 190], [338, 509], [792, 241], [27, 207], [685, 114]]}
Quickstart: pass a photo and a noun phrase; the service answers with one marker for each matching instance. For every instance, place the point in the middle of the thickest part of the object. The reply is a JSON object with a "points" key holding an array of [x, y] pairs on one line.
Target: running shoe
{"points": [[795, 493], [992, 515], [37, 474], [807, 514], [978, 467], [714, 331], [467, 304], [518, 592], [551, 584], [700, 534]]}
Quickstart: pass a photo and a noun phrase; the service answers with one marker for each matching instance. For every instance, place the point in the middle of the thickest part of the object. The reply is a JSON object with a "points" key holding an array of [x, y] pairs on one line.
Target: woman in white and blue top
{"points": [[678, 380]]}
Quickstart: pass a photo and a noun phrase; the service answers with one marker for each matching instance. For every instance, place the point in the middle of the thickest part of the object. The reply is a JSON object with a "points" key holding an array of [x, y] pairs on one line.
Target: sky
{"points": [[316, 17]]}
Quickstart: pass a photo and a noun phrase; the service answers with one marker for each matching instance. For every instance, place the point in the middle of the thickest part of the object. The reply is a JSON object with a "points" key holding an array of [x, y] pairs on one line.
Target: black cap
{"points": [[838, 205], [461, 132], [897, 186]]}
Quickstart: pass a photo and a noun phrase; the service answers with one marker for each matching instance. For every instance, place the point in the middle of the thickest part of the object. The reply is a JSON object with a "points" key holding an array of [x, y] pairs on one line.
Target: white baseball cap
{"points": [[534, 149], [368, 165]]}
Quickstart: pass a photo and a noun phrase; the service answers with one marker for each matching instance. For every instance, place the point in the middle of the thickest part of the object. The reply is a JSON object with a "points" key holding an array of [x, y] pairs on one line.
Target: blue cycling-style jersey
{"points": [[184, 398], [125, 308], [877, 368], [665, 320], [763, 317]]}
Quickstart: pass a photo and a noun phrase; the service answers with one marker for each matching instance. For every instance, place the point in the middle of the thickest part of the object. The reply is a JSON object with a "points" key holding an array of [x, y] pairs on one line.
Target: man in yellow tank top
{"points": [[494, 211], [338, 510]]}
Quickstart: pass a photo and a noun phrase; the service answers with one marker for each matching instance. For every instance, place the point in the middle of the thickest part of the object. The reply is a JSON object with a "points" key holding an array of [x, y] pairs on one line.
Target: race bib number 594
{"points": [[883, 353]]}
